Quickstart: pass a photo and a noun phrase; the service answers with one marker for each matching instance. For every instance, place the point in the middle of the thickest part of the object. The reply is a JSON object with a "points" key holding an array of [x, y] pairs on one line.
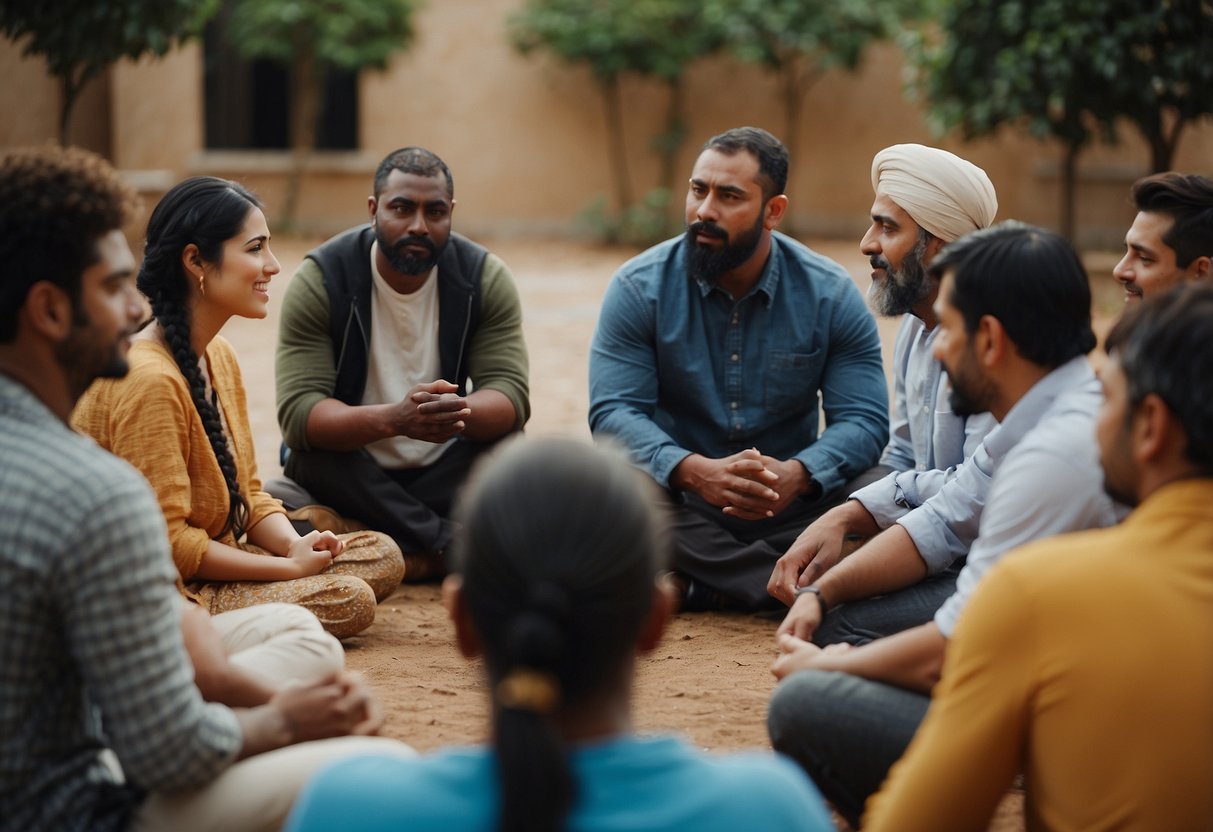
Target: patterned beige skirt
{"points": [[343, 596]]}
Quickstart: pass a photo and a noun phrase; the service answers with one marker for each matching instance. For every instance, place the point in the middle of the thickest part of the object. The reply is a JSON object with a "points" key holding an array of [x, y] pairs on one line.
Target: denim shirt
{"points": [[678, 366]]}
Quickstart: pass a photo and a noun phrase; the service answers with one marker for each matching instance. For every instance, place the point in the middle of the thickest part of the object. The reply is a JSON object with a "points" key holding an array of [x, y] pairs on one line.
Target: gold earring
{"points": [[202, 283]]}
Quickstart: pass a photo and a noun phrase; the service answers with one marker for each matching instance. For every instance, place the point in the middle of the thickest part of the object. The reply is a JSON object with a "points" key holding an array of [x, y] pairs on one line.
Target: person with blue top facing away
{"points": [[558, 555], [713, 354]]}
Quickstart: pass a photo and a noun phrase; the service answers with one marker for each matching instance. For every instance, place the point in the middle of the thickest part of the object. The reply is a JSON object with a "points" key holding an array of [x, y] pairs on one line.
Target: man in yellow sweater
{"points": [[1086, 661]]}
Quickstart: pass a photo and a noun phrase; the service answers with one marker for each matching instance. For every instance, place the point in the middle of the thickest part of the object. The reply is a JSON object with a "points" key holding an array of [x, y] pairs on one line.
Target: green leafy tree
{"points": [[1154, 70], [1068, 69], [80, 38], [652, 38], [309, 37], [801, 40]]}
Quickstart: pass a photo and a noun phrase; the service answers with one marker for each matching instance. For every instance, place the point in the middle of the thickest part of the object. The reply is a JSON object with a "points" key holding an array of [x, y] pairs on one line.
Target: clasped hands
{"points": [[748, 485], [432, 412]]}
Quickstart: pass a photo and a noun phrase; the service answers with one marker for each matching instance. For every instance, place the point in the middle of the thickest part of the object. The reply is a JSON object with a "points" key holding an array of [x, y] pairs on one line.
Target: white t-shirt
{"points": [[403, 353]]}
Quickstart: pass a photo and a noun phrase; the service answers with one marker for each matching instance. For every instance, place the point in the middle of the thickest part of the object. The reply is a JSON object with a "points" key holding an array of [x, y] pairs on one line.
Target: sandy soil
{"points": [[709, 680]]}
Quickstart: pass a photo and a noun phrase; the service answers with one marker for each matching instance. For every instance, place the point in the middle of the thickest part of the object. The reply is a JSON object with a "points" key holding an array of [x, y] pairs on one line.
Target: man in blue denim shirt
{"points": [[712, 353]]}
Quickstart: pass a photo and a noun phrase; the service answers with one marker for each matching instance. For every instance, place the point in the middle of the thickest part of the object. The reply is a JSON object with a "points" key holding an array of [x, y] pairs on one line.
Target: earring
{"points": [[202, 283]]}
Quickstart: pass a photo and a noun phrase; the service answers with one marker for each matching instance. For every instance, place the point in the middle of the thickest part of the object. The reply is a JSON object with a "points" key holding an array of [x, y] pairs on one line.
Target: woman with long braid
{"points": [[558, 553], [181, 417]]}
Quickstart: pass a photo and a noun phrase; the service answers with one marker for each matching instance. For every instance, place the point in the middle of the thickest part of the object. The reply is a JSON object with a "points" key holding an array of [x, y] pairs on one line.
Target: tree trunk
{"points": [[1069, 168], [306, 100], [71, 91], [612, 98], [1163, 146], [670, 143]]}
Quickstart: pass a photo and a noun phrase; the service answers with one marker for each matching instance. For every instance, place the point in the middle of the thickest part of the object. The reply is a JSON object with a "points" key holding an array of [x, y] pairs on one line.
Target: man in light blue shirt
{"points": [[1014, 320], [925, 199], [712, 354]]}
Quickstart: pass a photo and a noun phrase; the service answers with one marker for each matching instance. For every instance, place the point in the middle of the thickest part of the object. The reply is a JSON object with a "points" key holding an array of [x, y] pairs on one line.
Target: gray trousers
{"points": [[846, 732]]}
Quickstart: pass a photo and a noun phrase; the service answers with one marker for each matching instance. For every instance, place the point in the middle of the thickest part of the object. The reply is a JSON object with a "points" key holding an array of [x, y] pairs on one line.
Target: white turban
{"points": [[943, 193]]}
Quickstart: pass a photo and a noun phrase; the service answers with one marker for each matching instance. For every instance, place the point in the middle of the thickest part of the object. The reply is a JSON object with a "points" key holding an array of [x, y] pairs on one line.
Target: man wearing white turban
{"points": [[925, 199]]}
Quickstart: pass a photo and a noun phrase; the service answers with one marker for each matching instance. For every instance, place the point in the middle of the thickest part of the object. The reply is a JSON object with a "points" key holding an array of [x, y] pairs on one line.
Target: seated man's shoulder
{"points": [[650, 262]]}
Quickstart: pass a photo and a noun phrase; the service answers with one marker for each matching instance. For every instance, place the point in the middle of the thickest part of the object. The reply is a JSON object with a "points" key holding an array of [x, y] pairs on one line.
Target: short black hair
{"points": [[1188, 200], [772, 156], [55, 205], [1162, 345], [415, 160], [1031, 280]]}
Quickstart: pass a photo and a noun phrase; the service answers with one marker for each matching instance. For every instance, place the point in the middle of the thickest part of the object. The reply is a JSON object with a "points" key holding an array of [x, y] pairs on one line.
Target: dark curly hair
{"points": [[55, 204], [207, 212]]}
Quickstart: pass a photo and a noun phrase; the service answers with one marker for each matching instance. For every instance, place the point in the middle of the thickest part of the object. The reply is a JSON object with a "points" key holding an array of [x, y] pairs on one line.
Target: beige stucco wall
{"points": [[526, 137]]}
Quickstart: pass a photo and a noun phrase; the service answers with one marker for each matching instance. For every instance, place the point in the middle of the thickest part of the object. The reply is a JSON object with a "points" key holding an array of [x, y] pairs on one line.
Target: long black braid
{"points": [[207, 212]]}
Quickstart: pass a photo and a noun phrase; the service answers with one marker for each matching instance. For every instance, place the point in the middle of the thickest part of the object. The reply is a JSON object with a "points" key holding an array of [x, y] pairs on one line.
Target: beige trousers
{"points": [[255, 794], [279, 643]]}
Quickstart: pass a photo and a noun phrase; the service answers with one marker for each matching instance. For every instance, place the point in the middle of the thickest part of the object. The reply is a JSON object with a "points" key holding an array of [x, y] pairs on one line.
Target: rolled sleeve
{"points": [[945, 526], [497, 355], [305, 370]]}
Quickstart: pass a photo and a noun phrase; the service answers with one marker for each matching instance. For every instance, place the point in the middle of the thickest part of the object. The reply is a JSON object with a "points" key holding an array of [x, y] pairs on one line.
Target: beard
{"points": [[903, 288], [406, 262], [84, 359], [971, 393], [709, 264]]}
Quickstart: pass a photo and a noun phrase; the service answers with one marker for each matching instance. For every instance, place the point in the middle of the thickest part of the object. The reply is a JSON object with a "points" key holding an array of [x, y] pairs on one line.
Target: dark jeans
{"points": [[846, 732], [736, 557], [859, 622], [412, 506]]}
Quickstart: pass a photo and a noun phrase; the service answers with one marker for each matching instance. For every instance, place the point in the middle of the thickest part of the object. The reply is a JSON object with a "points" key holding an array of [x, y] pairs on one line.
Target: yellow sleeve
{"points": [[971, 744]]}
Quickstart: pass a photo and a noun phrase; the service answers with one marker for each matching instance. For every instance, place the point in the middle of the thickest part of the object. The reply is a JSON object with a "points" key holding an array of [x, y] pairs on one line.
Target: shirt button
{"points": [[733, 405], [734, 356]]}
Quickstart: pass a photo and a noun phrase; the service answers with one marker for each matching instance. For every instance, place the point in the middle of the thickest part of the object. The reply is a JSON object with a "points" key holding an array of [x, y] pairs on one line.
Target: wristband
{"points": [[815, 590]]}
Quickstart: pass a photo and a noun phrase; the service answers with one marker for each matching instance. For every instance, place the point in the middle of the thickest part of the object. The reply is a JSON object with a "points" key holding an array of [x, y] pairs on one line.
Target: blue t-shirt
{"points": [[629, 783]]}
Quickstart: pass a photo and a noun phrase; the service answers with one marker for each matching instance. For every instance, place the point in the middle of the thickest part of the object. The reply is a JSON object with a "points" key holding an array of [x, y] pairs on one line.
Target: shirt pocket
{"points": [[792, 381]]}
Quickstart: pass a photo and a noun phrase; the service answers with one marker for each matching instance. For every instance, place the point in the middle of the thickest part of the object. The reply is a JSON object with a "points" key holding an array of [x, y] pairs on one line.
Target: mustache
{"points": [[708, 228], [404, 242], [878, 262]]}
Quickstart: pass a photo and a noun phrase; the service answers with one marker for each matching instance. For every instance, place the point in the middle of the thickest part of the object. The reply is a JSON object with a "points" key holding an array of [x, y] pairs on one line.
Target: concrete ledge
{"points": [[281, 161]]}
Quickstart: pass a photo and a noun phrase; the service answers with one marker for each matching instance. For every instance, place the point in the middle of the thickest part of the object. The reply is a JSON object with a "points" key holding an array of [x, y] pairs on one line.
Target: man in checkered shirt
{"points": [[101, 724]]}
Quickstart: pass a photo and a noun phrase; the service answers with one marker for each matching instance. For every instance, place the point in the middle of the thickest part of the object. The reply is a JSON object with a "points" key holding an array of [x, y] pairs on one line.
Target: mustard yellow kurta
{"points": [[1085, 661], [149, 419]]}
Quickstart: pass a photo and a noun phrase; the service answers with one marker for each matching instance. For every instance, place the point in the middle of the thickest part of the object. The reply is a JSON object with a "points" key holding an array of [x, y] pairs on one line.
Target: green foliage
{"points": [[1063, 68], [350, 34], [643, 224], [655, 38], [822, 33], [79, 38]]}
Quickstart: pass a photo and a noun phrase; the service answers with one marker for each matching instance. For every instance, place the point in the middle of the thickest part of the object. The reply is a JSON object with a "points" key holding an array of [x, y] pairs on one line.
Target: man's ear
{"points": [[773, 212], [48, 311], [1201, 268], [372, 205], [466, 637], [990, 341], [665, 601], [1153, 431], [934, 244]]}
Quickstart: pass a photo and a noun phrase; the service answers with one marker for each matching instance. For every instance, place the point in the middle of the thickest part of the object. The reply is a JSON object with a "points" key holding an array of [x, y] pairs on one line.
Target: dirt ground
{"points": [[710, 679]]}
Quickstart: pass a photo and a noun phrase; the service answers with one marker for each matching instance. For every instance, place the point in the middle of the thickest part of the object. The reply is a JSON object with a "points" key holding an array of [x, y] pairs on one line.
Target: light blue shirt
{"points": [[680, 367], [927, 442], [1046, 483], [622, 784]]}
